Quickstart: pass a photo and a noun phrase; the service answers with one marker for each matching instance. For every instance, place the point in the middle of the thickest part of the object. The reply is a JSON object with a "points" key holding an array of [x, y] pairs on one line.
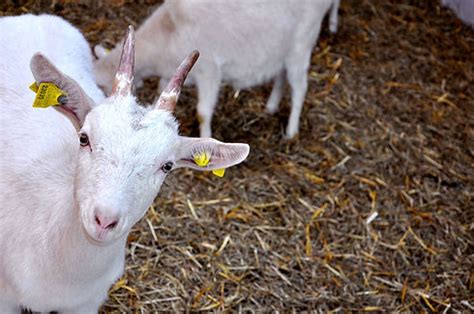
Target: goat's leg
{"points": [[275, 96], [208, 86], [297, 78]]}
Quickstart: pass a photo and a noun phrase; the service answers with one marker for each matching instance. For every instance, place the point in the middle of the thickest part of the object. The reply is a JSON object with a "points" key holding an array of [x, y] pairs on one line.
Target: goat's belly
{"points": [[248, 76]]}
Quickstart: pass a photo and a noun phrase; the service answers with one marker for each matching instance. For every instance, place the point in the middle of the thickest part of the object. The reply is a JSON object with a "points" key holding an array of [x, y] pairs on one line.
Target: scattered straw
{"points": [[387, 125]]}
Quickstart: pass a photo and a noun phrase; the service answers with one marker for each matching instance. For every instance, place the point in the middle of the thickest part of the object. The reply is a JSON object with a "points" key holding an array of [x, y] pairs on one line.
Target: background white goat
{"points": [[74, 180], [464, 9], [243, 43]]}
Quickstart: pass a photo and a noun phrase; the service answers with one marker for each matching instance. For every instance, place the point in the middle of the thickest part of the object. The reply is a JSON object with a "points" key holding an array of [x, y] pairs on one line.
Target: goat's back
{"points": [[248, 43]]}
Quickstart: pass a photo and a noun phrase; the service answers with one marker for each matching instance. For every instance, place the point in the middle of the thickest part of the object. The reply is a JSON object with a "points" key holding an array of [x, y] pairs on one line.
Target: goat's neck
{"points": [[145, 56]]}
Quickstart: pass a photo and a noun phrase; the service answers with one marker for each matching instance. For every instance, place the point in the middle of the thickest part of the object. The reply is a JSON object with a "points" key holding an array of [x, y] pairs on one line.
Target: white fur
{"points": [[53, 257], [244, 43], [333, 17], [464, 9]]}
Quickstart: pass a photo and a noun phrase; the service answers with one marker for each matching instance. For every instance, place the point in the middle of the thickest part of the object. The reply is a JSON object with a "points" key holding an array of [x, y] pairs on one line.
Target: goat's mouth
{"points": [[95, 239], [100, 238], [88, 229], [91, 238]]}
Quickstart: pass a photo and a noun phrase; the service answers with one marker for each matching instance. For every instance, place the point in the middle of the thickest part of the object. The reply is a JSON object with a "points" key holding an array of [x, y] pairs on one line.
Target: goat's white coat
{"points": [[50, 186], [243, 43], [464, 9], [35, 145]]}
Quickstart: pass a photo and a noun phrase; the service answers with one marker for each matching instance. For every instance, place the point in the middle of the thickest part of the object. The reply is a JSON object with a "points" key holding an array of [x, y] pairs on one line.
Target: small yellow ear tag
{"points": [[47, 94], [202, 159], [33, 87], [219, 172]]}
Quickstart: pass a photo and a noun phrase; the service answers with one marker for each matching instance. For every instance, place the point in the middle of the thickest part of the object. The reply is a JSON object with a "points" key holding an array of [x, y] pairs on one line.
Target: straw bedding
{"points": [[370, 209]]}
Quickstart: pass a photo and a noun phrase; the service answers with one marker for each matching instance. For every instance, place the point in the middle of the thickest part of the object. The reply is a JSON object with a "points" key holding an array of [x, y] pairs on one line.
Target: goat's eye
{"points": [[84, 139], [167, 167]]}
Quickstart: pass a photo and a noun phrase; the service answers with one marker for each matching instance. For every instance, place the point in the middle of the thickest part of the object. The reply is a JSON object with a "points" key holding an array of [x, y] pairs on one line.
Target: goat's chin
{"points": [[99, 240]]}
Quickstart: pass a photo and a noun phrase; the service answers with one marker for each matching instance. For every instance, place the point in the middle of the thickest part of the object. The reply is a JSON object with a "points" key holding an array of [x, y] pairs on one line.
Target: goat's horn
{"points": [[170, 94], [124, 76]]}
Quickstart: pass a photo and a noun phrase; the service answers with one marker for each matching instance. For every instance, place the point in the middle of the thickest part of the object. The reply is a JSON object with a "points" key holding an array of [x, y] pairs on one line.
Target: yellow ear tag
{"points": [[33, 87], [47, 94], [219, 172], [202, 159]]}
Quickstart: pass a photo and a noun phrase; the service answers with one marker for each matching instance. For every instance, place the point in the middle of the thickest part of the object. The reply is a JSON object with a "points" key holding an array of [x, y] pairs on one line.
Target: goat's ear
{"points": [[209, 154], [100, 51], [77, 103]]}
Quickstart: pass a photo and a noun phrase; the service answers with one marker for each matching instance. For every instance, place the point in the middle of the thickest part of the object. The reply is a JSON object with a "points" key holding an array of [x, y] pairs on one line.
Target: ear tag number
{"points": [[202, 160], [47, 94]]}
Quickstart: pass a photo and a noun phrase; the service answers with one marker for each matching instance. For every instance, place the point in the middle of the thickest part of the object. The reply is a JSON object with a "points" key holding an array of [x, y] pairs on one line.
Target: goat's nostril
{"points": [[97, 220], [111, 225], [107, 223]]}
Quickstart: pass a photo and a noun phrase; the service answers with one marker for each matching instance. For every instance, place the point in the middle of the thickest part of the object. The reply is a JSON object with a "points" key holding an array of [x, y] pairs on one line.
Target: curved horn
{"points": [[124, 76], [169, 96]]}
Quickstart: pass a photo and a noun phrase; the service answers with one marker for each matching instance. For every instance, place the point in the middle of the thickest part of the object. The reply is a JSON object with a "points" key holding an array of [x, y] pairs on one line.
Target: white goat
{"points": [[74, 180], [464, 9], [243, 43]]}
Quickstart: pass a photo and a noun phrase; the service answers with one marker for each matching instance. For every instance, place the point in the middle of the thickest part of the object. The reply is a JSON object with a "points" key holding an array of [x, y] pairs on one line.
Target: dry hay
{"points": [[369, 210]]}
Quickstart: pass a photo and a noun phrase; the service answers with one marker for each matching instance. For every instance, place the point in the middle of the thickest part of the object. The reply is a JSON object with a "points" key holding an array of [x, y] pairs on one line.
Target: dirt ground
{"points": [[369, 210]]}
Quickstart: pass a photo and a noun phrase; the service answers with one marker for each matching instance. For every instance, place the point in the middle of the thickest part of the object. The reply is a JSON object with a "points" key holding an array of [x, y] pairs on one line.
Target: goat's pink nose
{"points": [[106, 222]]}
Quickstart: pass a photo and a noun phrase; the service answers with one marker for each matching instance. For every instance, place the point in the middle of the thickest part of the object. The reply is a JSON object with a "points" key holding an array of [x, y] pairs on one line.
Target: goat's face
{"points": [[123, 161], [127, 150]]}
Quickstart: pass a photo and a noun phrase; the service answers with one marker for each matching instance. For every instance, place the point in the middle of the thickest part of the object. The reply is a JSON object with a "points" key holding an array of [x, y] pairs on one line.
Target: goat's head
{"points": [[126, 150]]}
